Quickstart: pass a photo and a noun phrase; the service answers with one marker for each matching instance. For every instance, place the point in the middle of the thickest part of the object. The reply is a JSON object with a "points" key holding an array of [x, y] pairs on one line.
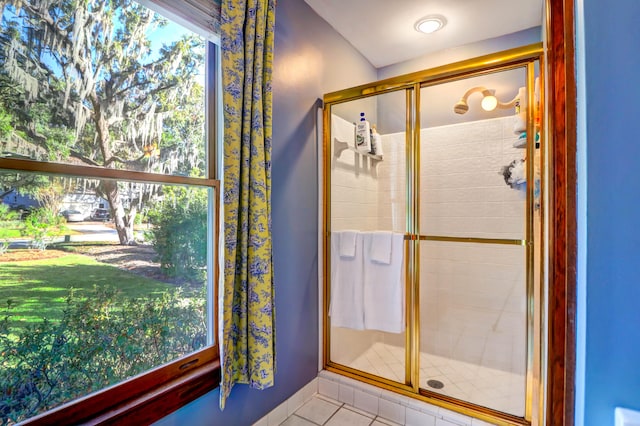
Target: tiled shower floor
{"points": [[488, 387]]}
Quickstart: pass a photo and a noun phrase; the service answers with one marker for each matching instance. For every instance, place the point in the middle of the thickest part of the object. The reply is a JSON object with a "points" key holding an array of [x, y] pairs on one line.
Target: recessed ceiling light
{"points": [[430, 24]]}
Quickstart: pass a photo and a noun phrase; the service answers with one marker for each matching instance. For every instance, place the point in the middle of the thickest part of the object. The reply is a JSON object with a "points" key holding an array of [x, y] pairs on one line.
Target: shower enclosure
{"points": [[453, 313]]}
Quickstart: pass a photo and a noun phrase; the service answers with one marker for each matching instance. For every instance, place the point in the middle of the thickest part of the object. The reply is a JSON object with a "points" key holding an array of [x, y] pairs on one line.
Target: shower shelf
{"points": [[339, 147]]}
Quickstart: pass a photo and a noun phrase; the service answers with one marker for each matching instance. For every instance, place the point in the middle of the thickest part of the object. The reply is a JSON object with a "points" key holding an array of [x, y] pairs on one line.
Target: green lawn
{"points": [[39, 288], [11, 233], [11, 228]]}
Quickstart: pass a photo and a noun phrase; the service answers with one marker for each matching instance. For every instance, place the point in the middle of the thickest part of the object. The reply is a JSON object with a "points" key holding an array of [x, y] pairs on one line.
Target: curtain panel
{"points": [[248, 323]]}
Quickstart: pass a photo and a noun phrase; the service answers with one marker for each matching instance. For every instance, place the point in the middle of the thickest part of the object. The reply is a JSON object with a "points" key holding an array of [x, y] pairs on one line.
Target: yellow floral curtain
{"points": [[248, 323]]}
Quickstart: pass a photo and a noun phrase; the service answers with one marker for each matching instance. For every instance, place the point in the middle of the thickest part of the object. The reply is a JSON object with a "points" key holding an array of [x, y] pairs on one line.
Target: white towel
{"points": [[346, 306], [384, 287], [381, 247], [348, 243], [343, 131]]}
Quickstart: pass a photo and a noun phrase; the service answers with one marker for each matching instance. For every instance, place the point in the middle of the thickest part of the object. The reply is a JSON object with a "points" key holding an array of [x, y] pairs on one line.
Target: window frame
{"points": [[154, 394]]}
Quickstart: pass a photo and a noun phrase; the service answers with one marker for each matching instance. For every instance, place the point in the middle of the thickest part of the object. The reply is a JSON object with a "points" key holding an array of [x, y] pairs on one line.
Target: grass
{"points": [[39, 288], [11, 233], [13, 229], [10, 229]]}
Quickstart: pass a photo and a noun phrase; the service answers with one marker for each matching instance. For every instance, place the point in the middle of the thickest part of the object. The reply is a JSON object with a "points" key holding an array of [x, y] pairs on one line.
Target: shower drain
{"points": [[436, 384]]}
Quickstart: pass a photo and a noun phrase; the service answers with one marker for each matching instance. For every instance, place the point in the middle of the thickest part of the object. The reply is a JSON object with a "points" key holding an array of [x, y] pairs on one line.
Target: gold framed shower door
{"points": [[524, 57]]}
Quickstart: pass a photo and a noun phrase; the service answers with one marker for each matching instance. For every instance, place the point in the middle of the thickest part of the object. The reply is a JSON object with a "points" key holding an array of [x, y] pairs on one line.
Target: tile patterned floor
{"points": [[496, 389], [323, 411]]}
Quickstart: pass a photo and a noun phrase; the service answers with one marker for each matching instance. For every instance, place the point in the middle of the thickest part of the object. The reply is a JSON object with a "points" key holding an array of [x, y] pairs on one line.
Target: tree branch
{"points": [[116, 159], [81, 157]]}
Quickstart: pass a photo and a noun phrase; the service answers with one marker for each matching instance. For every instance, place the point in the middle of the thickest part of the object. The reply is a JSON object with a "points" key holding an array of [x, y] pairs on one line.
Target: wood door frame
{"points": [[562, 213]]}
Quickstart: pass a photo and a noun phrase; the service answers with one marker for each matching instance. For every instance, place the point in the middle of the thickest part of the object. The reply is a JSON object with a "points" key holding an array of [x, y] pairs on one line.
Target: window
{"points": [[109, 212]]}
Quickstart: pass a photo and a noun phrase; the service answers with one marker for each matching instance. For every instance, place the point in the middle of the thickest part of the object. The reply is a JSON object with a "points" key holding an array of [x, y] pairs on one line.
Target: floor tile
{"points": [[466, 381], [379, 421], [359, 411], [317, 410], [334, 401], [345, 417], [278, 414], [297, 421]]}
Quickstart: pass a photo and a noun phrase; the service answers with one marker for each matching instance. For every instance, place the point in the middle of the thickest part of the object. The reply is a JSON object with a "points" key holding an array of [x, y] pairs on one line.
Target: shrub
{"points": [[179, 232], [42, 225], [100, 340], [5, 124], [8, 220], [8, 215]]}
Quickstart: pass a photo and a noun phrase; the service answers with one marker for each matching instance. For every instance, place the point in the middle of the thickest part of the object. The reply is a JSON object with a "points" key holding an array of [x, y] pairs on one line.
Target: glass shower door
{"points": [[474, 224], [367, 210], [459, 179]]}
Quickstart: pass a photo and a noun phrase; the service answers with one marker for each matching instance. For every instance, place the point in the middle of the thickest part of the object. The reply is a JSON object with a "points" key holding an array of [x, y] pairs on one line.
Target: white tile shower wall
{"points": [[391, 202], [354, 190], [354, 198], [462, 190], [473, 298], [473, 303]]}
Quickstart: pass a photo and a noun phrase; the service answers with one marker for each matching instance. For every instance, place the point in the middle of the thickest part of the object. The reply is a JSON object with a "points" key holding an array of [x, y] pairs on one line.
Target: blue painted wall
{"points": [[609, 221], [310, 60]]}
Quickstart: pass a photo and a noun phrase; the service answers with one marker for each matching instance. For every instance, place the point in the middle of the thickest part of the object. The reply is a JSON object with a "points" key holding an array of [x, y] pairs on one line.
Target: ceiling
{"points": [[383, 30]]}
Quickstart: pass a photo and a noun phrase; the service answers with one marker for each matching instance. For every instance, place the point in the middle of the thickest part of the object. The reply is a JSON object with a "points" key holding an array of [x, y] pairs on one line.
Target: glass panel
{"points": [[473, 296], [80, 311], [368, 195], [473, 323], [464, 191], [124, 92]]}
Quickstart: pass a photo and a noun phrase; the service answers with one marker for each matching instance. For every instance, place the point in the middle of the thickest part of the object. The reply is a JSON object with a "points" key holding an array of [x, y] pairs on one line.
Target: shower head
{"points": [[489, 100], [461, 107]]}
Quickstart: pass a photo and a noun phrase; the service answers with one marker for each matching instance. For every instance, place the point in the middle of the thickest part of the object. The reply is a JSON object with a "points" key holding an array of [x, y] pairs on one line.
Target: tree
{"points": [[89, 67], [5, 124]]}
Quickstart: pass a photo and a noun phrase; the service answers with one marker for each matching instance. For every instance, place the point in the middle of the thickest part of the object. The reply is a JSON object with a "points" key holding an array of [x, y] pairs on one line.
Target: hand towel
{"points": [[347, 243], [384, 287], [381, 247], [346, 302], [343, 131]]}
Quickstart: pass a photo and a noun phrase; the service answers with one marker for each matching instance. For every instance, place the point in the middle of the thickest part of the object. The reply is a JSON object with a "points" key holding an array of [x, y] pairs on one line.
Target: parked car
{"points": [[100, 214], [72, 215]]}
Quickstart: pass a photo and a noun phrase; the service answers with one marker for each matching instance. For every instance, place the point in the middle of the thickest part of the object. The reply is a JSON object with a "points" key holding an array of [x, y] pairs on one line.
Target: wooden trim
{"points": [[157, 404], [562, 224], [92, 172], [160, 392]]}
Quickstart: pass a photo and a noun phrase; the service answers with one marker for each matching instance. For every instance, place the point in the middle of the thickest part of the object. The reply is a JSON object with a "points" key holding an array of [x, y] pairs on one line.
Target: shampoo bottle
{"points": [[520, 117], [363, 135]]}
